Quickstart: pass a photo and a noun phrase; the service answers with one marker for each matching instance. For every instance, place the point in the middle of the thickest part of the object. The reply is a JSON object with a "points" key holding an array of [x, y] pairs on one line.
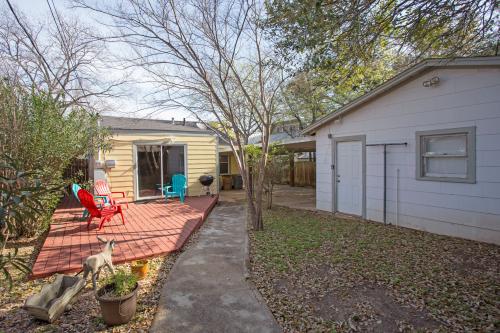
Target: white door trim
{"points": [[336, 140]]}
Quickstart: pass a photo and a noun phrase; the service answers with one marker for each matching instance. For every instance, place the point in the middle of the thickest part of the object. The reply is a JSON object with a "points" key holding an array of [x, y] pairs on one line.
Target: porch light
{"points": [[432, 82]]}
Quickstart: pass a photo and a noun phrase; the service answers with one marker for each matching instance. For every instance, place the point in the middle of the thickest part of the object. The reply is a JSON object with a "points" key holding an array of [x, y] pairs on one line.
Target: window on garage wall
{"points": [[447, 155]]}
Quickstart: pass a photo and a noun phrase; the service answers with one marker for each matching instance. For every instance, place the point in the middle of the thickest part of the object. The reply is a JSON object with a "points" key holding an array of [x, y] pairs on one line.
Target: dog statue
{"points": [[94, 263]]}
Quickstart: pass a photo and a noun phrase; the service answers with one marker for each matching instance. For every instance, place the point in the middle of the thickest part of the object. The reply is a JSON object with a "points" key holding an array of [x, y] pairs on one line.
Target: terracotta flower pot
{"points": [[140, 268], [117, 310]]}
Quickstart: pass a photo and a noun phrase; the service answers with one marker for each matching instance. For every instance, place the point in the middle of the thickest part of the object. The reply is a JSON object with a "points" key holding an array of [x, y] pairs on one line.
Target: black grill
{"points": [[206, 180]]}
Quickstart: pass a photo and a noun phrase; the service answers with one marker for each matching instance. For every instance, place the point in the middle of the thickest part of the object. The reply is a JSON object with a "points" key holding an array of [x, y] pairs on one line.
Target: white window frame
{"points": [[228, 164], [470, 154]]}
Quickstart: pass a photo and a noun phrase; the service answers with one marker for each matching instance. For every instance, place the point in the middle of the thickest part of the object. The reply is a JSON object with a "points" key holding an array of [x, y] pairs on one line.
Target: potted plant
{"points": [[118, 298], [140, 268]]}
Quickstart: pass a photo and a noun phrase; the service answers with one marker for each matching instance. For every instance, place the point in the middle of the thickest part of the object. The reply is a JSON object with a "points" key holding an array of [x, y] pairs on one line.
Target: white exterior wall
{"points": [[464, 97]]}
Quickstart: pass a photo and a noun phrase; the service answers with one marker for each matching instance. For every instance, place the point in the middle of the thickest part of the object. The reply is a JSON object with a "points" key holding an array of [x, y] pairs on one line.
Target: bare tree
{"points": [[63, 58], [246, 122], [209, 57]]}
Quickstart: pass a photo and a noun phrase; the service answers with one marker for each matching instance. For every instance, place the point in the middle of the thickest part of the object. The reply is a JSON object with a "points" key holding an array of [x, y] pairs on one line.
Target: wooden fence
{"points": [[305, 173], [77, 171]]}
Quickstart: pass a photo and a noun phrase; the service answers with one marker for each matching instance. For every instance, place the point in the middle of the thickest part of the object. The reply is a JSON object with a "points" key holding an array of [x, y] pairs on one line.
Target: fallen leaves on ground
{"points": [[85, 314], [320, 273]]}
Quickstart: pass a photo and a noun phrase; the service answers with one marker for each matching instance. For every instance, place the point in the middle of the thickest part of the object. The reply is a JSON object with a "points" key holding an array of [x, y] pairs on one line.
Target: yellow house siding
{"points": [[201, 158], [233, 165]]}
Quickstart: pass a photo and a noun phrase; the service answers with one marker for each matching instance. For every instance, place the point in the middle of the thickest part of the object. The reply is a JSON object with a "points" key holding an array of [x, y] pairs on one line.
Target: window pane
{"points": [[223, 158], [445, 167], [446, 144], [173, 162], [223, 168], [148, 170]]}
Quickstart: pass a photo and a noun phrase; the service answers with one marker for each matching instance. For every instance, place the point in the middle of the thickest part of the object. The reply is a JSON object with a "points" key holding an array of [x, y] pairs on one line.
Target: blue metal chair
{"points": [[75, 188], [177, 189]]}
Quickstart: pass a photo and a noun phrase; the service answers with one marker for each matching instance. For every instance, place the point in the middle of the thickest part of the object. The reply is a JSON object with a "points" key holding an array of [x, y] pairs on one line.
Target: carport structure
{"points": [[301, 145]]}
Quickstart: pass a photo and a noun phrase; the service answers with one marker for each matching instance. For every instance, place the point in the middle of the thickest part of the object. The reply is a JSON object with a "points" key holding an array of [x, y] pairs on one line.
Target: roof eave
{"points": [[398, 79], [154, 130]]}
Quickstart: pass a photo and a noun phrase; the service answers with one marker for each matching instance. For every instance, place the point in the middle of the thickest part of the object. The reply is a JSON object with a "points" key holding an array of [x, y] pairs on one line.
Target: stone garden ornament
{"points": [[56, 297], [96, 262]]}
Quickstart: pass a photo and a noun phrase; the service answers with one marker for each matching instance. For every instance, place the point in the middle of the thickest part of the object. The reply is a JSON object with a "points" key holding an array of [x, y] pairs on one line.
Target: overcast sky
{"points": [[129, 106]]}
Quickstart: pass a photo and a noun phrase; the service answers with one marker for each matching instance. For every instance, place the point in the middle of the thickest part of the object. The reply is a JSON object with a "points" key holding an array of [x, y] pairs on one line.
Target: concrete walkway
{"points": [[206, 290]]}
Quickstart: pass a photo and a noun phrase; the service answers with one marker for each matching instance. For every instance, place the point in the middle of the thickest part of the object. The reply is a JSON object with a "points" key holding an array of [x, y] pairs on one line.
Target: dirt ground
{"points": [[283, 195], [85, 314]]}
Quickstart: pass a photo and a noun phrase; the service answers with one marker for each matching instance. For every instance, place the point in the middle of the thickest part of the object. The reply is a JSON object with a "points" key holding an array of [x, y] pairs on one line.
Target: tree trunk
{"points": [[258, 223], [252, 209], [250, 181], [254, 212], [5, 233], [270, 196]]}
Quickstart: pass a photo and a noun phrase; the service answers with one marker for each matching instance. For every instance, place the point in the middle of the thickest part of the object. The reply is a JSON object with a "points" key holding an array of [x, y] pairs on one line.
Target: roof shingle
{"points": [[141, 124]]}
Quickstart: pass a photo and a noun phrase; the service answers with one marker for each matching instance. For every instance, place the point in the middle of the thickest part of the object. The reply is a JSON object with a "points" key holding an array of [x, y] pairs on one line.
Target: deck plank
{"points": [[151, 229]]}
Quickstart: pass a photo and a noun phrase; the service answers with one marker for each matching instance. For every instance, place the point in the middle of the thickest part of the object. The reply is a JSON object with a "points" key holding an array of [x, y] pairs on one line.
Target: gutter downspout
{"points": [[99, 150], [397, 197], [217, 170], [385, 184]]}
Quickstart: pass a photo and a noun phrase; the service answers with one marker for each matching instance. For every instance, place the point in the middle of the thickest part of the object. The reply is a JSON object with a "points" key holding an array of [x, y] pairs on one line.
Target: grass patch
{"points": [[302, 254]]}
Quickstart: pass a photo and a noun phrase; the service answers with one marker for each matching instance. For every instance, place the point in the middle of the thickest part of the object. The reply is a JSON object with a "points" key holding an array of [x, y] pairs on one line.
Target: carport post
{"points": [[292, 169]]}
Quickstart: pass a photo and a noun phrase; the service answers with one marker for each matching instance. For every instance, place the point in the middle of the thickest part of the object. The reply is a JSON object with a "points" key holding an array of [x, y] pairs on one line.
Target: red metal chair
{"points": [[105, 213], [102, 188]]}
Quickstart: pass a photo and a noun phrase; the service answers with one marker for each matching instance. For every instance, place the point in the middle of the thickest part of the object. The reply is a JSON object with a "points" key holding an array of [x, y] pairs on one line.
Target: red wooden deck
{"points": [[151, 229]]}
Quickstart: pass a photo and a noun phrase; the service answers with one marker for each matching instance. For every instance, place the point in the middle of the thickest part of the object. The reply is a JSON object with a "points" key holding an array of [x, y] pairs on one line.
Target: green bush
{"points": [[21, 197], [43, 137]]}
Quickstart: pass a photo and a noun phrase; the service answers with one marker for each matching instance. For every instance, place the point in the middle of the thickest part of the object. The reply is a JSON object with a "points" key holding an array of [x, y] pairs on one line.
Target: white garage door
{"points": [[350, 177]]}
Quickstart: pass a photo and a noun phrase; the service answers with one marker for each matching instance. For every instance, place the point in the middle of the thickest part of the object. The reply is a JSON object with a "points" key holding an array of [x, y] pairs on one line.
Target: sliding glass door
{"points": [[156, 164]]}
